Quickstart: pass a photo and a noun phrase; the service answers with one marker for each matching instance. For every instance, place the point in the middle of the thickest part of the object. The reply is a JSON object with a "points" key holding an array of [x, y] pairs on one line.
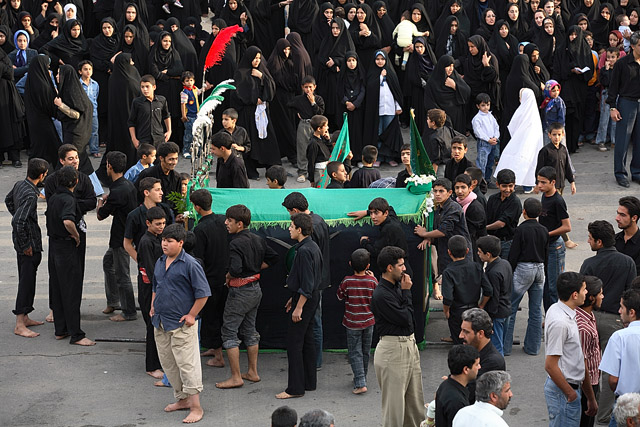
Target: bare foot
{"points": [[446, 339], [23, 331], [194, 416], [61, 337], [210, 352], [180, 405], [49, 317], [30, 322], [84, 342], [230, 383], [569, 244], [251, 377], [108, 310], [159, 384], [117, 318], [215, 362], [285, 395], [157, 374], [359, 390]]}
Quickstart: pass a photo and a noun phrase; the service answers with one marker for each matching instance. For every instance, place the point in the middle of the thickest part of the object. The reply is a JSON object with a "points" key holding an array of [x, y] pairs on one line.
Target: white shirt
{"points": [[562, 338], [387, 105], [480, 414], [621, 358], [485, 126]]}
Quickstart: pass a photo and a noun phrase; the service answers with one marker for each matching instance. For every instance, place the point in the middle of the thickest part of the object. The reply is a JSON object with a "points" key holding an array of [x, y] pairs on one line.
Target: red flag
{"points": [[216, 51]]}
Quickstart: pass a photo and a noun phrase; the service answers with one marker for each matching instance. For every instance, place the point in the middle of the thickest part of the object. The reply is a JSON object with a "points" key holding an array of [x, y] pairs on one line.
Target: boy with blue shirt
{"points": [[147, 155], [91, 87]]}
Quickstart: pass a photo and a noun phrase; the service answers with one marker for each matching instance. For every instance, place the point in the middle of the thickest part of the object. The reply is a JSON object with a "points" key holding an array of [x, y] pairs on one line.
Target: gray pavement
{"points": [[49, 382]]}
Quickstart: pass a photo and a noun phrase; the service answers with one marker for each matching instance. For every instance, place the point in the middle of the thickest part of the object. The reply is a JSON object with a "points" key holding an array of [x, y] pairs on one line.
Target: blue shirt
{"points": [[621, 358], [92, 92], [177, 289], [134, 171]]}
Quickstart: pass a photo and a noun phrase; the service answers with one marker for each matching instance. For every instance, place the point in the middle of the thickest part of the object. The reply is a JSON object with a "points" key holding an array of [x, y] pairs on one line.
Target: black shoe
{"points": [[636, 179], [17, 164], [623, 182]]}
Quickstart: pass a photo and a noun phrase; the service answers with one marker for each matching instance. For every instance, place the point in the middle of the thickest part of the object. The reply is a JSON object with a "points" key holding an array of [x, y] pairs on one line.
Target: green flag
{"points": [[420, 163], [340, 151]]}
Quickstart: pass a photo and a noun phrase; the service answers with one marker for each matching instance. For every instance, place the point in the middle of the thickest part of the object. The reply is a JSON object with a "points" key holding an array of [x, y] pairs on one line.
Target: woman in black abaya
{"points": [[602, 25], [132, 17], [537, 70], [351, 92], [517, 24], [302, 15], [321, 30], [281, 68], [451, 40], [548, 42], [419, 67], [365, 34], [255, 89], [330, 61], [12, 114], [235, 12], [6, 33], [50, 27], [482, 74], [384, 22], [504, 46], [488, 25], [183, 46], [421, 19], [452, 8], [300, 57], [476, 12], [131, 44], [68, 48], [447, 90]]}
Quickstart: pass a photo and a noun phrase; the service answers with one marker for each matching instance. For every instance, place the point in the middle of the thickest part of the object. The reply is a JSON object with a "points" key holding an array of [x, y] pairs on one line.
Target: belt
{"points": [[238, 282], [60, 238], [321, 165], [630, 99], [397, 338], [305, 120], [464, 307], [574, 386]]}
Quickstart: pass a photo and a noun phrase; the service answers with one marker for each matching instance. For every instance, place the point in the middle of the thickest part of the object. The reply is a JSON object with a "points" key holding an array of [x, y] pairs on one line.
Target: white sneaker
{"points": [[301, 178], [165, 7], [186, 155], [178, 4]]}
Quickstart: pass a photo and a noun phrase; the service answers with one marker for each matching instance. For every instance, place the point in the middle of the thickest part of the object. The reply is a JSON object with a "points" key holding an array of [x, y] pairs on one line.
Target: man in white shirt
{"points": [[493, 393]]}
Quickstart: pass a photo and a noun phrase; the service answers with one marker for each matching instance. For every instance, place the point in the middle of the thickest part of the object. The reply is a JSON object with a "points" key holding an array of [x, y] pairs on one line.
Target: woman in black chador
{"points": [[447, 91], [351, 93]]}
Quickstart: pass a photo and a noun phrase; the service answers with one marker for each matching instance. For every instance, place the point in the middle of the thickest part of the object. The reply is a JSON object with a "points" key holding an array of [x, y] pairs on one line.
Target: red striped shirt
{"points": [[356, 291], [590, 343]]}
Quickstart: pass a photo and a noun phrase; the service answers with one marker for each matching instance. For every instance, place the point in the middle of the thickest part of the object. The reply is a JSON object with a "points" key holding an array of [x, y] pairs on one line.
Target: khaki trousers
{"points": [[179, 354], [397, 365]]}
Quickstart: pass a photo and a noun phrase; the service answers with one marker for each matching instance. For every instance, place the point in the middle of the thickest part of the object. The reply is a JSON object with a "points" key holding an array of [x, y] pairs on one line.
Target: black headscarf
{"points": [[576, 53], [505, 49], [481, 78], [601, 27], [124, 87], [65, 43], [476, 12], [321, 27], [425, 23], [46, 30], [519, 27], [300, 57], [183, 45], [452, 101], [544, 75], [347, 7], [281, 67], [626, 10], [138, 51], [519, 77], [421, 65], [458, 42], [461, 14], [335, 47], [8, 46], [12, 14], [18, 25], [373, 79], [386, 24], [302, 14], [102, 47], [161, 58], [591, 11], [141, 28], [353, 81], [249, 88], [635, 27], [39, 88], [545, 42], [486, 30]]}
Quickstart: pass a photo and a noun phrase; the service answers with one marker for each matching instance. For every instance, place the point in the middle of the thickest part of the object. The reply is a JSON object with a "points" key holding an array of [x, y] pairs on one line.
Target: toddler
{"points": [[624, 27], [405, 32]]}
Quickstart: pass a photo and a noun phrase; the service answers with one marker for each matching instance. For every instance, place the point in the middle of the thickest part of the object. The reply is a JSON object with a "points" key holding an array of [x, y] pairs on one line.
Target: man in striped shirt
{"points": [[22, 203], [356, 291], [590, 341]]}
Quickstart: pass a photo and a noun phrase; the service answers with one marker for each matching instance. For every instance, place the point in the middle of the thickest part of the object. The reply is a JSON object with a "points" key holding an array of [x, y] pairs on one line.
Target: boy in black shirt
{"points": [[555, 218], [318, 150], [474, 213], [458, 162], [148, 113], [241, 142], [437, 137], [528, 254], [276, 177], [364, 176], [452, 394], [478, 184], [503, 210], [230, 169], [405, 158], [338, 174]]}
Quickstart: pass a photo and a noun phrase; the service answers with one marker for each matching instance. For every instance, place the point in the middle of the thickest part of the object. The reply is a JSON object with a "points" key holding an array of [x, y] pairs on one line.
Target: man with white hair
{"points": [[493, 393], [317, 418], [627, 410]]}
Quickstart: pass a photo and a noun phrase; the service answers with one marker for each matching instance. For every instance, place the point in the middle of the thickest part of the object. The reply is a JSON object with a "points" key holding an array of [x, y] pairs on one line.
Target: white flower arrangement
{"points": [[421, 179], [428, 207]]}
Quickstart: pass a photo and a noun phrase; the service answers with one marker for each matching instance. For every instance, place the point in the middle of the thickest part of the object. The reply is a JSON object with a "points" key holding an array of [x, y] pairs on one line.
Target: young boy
{"points": [[405, 158], [503, 210], [147, 155], [356, 291], [437, 137], [487, 132], [189, 107], [230, 169], [458, 162], [500, 275], [318, 150], [306, 106], [528, 253], [553, 107], [364, 176], [338, 174], [149, 251], [557, 156], [91, 87], [240, 137], [606, 127], [478, 184], [276, 177], [474, 214], [180, 290], [555, 218], [148, 113], [462, 281]]}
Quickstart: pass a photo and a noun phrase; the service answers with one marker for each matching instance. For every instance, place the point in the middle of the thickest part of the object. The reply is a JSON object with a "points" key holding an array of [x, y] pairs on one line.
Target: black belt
{"points": [[574, 386], [464, 307], [630, 99]]}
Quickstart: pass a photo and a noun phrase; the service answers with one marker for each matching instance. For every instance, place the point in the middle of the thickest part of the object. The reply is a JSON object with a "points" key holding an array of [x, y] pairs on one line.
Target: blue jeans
{"points": [[497, 338], [606, 126], [555, 266], [94, 141], [383, 124], [505, 247], [359, 346], [630, 113], [187, 139], [527, 277], [317, 332], [487, 154], [561, 412]]}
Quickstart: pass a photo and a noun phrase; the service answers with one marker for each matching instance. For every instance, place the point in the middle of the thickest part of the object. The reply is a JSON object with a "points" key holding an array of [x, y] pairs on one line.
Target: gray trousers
{"points": [[607, 324], [302, 142], [117, 282]]}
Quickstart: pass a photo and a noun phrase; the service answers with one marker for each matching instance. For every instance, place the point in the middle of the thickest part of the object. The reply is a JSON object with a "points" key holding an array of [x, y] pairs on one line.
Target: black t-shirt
{"points": [[554, 210], [450, 398], [61, 206], [490, 360], [122, 200], [136, 223], [507, 211]]}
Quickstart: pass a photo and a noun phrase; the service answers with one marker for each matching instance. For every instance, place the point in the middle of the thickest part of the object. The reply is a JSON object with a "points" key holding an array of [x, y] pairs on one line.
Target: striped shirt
{"points": [[590, 343], [22, 203], [356, 291]]}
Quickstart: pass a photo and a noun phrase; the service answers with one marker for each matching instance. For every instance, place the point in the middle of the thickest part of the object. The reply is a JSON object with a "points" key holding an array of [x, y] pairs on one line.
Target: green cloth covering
{"points": [[332, 205]]}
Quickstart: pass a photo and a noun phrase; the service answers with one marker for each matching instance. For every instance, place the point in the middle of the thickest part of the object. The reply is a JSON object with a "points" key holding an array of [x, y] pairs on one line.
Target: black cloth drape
{"points": [[12, 114]]}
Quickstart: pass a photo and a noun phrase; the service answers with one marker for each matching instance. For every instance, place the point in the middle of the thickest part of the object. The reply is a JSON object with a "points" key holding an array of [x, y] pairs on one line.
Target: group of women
{"points": [[467, 47]]}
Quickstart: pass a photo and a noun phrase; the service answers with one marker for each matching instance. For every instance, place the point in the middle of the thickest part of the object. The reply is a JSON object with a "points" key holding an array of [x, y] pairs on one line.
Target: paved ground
{"points": [[47, 382]]}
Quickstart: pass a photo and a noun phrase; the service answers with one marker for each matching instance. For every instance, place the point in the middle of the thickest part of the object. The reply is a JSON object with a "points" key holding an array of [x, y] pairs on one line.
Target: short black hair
{"points": [[442, 182], [239, 213], [145, 149], [568, 283], [459, 139], [166, 148], [389, 255], [308, 79], [483, 98], [295, 200], [318, 121], [631, 300], [594, 287], [405, 147], [379, 204], [602, 230], [490, 245], [232, 113], [632, 204], [304, 222], [458, 246], [556, 126], [463, 178], [146, 184], [154, 213], [67, 176], [36, 167], [222, 140], [284, 417], [277, 173], [201, 198], [64, 149], [475, 173], [187, 75], [333, 167], [85, 62], [148, 78], [175, 232], [548, 172], [360, 259], [480, 321], [118, 161], [533, 207], [461, 356], [369, 154], [506, 176]]}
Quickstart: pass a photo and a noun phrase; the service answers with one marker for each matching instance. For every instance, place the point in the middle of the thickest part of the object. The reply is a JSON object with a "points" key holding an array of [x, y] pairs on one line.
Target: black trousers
{"points": [[301, 348], [212, 314], [65, 287], [27, 270], [455, 322], [585, 420], [145, 292]]}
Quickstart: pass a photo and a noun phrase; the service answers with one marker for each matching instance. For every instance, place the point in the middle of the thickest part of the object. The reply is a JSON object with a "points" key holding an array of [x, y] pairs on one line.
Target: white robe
{"points": [[521, 154]]}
